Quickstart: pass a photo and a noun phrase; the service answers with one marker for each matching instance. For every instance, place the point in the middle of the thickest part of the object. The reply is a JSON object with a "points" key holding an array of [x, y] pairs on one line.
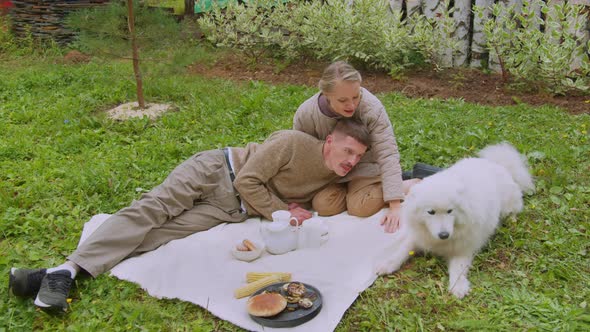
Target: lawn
{"points": [[62, 161]]}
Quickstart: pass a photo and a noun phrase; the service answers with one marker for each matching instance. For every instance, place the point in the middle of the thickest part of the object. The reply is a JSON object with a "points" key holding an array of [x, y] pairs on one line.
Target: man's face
{"points": [[343, 153], [345, 98]]}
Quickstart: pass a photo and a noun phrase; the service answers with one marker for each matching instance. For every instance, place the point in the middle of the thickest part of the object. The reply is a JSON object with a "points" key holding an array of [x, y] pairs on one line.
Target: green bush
{"points": [[435, 37], [6, 37], [366, 32], [556, 59], [257, 28]]}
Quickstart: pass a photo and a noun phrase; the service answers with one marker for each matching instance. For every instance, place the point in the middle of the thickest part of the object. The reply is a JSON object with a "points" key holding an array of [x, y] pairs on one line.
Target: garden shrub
{"points": [[366, 32], [255, 27], [554, 57], [435, 37], [370, 34], [6, 38]]}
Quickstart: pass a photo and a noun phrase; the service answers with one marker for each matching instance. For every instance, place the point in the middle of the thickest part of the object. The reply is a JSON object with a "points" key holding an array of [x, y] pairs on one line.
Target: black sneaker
{"points": [[421, 170], [407, 175], [54, 291], [25, 282]]}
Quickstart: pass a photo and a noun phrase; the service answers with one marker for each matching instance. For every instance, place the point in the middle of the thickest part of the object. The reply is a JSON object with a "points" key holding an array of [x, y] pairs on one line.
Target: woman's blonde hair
{"points": [[337, 72]]}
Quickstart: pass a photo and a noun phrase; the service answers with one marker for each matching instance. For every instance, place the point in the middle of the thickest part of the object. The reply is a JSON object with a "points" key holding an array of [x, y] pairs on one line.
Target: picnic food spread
{"points": [[304, 302], [276, 301]]}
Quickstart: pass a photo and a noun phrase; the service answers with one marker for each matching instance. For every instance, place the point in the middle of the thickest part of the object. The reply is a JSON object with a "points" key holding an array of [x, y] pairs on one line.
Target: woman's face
{"points": [[345, 98]]}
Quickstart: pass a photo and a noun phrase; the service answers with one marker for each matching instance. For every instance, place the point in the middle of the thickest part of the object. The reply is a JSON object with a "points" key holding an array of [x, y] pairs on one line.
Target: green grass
{"points": [[62, 161]]}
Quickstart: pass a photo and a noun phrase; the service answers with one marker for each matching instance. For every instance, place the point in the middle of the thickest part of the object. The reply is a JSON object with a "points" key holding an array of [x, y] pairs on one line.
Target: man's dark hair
{"points": [[353, 128]]}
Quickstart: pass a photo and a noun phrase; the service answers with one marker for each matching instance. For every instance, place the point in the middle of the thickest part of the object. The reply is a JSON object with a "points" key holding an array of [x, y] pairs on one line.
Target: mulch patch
{"points": [[471, 85]]}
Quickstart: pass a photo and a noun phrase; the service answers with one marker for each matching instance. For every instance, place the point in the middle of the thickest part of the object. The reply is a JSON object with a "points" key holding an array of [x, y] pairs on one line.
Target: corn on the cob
{"points": [[252, 287], [253, 276]]}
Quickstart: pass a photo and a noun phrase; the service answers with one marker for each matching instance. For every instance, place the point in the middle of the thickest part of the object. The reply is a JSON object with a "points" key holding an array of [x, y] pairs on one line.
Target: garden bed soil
{"points": [[471, 85]]}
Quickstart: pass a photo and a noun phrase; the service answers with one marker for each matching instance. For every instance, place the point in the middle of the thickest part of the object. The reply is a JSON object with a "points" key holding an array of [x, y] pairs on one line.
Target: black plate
{"points": [[288, 318]]}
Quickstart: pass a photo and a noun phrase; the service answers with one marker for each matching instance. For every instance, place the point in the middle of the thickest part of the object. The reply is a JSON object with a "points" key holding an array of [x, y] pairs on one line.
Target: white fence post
{"points": [[396, 4], [462, 16], [413, 7], [478, 42], [432, 9]]}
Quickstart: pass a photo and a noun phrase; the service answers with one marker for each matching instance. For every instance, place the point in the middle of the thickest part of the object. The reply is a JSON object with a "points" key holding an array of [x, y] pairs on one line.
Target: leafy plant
{"points": [[6, 37], [254, 27], [328, 30], [435, 37], [338, 29], [555, 58]]}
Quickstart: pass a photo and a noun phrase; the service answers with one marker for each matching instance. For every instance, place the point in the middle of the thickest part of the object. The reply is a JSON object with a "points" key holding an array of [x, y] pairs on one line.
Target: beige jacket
{"points": [[383, 157], [286, 168]]}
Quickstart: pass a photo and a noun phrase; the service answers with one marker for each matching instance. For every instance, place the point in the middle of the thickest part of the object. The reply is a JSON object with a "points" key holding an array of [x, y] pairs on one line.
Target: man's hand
{"points": [[390, 221], [298, 212]]}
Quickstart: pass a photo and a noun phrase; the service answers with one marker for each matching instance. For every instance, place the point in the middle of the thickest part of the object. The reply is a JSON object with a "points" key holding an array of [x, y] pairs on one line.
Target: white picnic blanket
{"points": [[201, 269]]}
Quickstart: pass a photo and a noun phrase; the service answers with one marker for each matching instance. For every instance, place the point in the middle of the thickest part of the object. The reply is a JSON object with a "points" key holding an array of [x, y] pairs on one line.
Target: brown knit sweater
{"points": [[383, 157], [287, 167]]}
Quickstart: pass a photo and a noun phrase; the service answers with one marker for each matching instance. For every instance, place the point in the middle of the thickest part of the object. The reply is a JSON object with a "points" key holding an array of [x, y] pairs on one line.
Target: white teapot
{"points": [[280, 236]]}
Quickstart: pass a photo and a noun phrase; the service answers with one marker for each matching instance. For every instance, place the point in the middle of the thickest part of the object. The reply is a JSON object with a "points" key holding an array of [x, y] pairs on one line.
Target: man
{"points": [[212, 187]]}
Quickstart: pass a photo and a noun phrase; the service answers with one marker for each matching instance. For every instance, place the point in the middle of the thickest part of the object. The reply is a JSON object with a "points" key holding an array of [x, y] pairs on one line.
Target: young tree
{"points": [[135, 52], [122, 30]]}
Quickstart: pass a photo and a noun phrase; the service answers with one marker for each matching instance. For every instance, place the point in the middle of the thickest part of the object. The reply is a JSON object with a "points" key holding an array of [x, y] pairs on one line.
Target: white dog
{"points": [[454, 212]]}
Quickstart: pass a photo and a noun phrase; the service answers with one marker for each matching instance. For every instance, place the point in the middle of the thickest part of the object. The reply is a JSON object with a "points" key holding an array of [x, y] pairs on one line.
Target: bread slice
{"points": [[266, 304]]}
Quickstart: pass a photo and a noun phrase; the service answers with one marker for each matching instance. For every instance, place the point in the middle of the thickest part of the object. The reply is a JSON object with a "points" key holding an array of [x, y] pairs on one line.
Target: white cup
{"points": [[310, 235]]}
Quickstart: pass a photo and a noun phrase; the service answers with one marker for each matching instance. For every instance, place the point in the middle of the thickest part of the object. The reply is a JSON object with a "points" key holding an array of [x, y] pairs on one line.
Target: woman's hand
{"points": [[390, 220]]}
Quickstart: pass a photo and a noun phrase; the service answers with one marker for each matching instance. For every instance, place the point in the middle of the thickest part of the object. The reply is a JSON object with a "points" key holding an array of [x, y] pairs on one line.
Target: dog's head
{"points": [[435, 207]]}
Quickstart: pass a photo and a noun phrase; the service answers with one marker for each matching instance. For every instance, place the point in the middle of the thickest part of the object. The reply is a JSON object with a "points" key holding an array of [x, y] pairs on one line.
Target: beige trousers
{"points": [[362, 197], [196, 196]]}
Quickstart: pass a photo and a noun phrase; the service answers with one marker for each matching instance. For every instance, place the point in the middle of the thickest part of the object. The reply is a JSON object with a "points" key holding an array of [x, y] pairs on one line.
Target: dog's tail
{"points": [[507, 156]]}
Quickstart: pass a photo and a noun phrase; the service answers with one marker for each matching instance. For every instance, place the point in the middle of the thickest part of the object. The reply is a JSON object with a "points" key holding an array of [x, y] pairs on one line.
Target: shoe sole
{"points": [[49, 308], [11, 280]]}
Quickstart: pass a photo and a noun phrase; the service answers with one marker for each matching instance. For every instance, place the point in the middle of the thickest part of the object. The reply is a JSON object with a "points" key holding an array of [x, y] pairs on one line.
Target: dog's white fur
{"points": [[463, 203]]}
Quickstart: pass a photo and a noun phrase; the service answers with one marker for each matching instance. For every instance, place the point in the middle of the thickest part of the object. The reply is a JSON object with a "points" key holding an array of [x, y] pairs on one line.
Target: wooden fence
{"points": [[44, 19]]}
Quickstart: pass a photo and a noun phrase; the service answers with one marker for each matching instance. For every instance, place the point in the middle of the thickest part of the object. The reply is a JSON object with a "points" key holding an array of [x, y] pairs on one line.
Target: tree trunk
{"points": [[136, 70], [189, 8]]}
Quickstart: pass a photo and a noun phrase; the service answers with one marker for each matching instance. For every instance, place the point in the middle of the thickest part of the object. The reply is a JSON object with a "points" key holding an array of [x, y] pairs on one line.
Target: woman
{"points": [[377, 180]]}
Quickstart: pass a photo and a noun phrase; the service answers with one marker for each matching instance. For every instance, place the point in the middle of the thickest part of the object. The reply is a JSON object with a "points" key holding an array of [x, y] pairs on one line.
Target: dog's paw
{"points": [[383, 269], [460, 288]]}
